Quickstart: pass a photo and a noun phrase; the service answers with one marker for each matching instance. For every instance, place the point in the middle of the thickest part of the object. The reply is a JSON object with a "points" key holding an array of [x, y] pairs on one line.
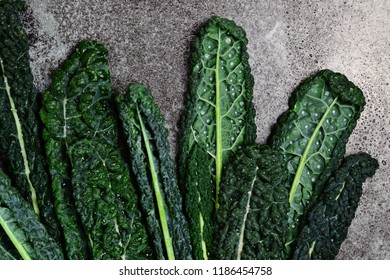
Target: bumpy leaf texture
{"points": [[147, 139], [326, 225], [312, 136], [88, 169], [20, 223], [252, 219], [219, 111], [199, 204], [20, 141]]}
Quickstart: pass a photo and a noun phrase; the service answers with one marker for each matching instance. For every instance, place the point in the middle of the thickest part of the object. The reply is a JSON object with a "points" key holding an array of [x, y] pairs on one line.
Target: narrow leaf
{"points": [[312, 136], [327, 224], [147, 139], [20, 223], [219, 114]]}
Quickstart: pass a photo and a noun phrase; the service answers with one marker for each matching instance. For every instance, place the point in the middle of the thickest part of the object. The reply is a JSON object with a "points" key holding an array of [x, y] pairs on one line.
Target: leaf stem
{"points": [[157, 191]]}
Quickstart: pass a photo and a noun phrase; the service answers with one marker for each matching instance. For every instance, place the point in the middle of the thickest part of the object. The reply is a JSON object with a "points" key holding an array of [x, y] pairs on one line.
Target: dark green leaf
{"points": [[20, 141], [147, 139], [21, 225], [219, 111], [89, 172], [312, 136], [199, 202], [252, 218], [327, 224]]}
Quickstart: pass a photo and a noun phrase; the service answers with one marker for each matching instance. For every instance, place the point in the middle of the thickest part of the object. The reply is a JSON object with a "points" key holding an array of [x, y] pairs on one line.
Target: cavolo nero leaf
{"points": [[20, 224], [199, 204], [91, 180], [326, 225], [20, 140], [219, 113], [312, 136], [252, 219], [147, 139]]}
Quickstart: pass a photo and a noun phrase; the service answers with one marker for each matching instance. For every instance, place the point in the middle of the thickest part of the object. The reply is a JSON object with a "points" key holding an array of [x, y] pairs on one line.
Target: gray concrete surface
{"points": [[288, 40]]}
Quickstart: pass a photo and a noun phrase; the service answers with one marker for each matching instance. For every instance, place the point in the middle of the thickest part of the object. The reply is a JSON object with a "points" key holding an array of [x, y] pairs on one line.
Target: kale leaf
{"points": [[252, 218], [312, 136], [21, 225], [326, 225], [20, 139], [91, 180], [219, 111], [147, 140]]}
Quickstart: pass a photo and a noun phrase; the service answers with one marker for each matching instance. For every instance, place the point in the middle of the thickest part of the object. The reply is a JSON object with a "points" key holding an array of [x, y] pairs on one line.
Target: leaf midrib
{"points": [[218, 122], [20, 138], [157, 191], [18, 245], [303, 160], [247, 209]]}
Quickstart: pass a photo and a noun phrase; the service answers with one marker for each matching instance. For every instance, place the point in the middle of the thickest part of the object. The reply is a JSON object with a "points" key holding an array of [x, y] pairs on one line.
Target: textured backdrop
{"points": [[149, 42]]}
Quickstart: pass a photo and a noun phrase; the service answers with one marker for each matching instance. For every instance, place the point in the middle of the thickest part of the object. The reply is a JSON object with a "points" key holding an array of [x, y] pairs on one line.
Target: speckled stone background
{"points": [[149, 42]]}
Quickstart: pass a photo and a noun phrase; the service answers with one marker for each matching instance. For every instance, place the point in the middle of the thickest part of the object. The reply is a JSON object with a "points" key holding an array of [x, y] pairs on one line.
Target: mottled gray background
{"points": [[149, 42]]}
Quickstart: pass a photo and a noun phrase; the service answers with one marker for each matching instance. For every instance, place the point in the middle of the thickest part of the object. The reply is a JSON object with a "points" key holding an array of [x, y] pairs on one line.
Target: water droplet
{"points": [[306, 126], [205, 132], [208, 121], [313, 179], [240, 121], [207, 56], [233, 93], [326, 93], [231, 63], [241, 103], [209, 46], [228, 40], [303, 112], [230, 55], [232, 138], [202, 113], [318, 166], [291, 142]]}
